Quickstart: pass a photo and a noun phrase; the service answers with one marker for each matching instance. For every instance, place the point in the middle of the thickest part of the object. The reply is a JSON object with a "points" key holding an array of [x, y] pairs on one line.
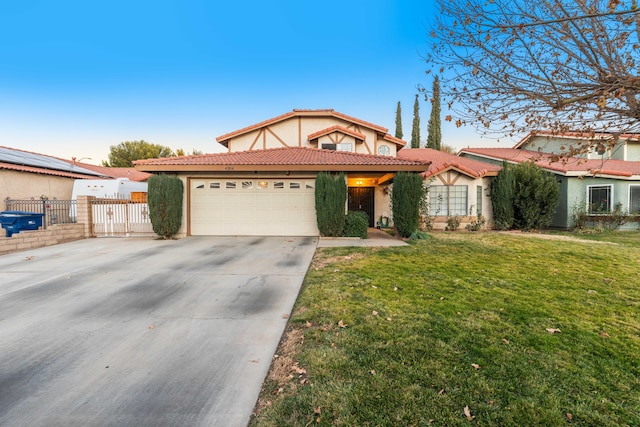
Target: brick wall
{"points": [[31, 239]]}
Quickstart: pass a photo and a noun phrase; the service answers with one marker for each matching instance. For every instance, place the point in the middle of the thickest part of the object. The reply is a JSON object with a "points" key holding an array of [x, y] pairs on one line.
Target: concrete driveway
{"points": [[140, 332]]}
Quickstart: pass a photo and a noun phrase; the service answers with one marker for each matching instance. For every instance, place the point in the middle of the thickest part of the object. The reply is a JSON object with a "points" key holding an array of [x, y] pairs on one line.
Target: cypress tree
{"points": [[331, 198], [415, 131], [406, 198], [398, 121], [165, 204], [434, 131], [502, 191]]}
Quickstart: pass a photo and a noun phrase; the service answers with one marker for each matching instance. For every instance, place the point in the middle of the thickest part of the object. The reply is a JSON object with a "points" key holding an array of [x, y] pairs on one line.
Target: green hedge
{"points": [[356, 224], [331, 198], [165, 204]]}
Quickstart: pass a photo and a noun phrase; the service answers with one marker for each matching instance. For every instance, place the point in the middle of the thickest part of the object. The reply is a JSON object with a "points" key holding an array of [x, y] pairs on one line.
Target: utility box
{"points": [[16, 221]]}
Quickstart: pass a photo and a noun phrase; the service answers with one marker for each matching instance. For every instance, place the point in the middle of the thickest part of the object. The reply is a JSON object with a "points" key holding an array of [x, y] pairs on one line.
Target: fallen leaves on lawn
{"points": [[467, 413], [603, 334], [375, 313], [475, 365], [553, 330], [342, 324], [506, 341], [569, 416]]}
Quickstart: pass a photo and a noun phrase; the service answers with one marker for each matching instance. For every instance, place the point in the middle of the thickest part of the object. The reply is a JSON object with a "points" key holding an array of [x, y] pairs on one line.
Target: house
{"points": [[458, 186], [598, 181], [265, 183], [26, 175]]}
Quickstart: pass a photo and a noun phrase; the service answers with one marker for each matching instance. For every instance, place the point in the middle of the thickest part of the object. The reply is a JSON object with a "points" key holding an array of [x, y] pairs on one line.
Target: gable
{"points": [[305, 128]]}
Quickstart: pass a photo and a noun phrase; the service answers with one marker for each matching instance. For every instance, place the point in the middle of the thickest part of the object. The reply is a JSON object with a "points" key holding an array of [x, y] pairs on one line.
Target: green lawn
{"points": [[512, 330]]}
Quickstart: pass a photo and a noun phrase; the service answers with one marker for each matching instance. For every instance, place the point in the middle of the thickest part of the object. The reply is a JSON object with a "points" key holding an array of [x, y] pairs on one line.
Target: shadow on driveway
{"points": [[142, 332]]}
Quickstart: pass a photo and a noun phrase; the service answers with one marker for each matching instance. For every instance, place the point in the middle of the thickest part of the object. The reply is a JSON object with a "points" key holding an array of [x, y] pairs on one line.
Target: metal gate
{"points": [[120, 218]]}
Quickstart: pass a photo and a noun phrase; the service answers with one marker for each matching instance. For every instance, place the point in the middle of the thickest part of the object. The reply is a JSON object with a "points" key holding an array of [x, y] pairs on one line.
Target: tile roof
{"points": [[336, 128], [441, 161], [301, 112], [631, 137], [287, 157], [571, 166], [131, 173]]}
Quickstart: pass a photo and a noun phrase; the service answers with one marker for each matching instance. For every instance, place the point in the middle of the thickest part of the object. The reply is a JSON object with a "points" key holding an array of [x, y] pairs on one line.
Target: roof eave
{"points": [[280, 167]]}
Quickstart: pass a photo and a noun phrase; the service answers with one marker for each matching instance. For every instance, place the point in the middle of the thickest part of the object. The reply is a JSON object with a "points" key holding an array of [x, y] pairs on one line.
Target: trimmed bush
{"points": [[406, 197], [331, 199], [356, 224], [524, 197], [165, 204], [535, 197]]}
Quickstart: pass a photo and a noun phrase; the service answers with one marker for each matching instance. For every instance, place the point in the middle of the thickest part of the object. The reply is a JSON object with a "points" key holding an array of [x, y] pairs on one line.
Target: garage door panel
{"points": [[253, 207]]}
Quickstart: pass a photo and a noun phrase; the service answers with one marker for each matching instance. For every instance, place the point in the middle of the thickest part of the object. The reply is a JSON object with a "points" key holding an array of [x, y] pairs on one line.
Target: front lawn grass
{"points": [[463, 329]]}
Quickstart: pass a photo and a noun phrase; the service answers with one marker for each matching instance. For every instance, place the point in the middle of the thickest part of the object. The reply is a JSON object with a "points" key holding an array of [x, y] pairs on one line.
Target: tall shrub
{"points": [[165, 204], [535, 198], [406, 196], [331, 198], [502, 189]]}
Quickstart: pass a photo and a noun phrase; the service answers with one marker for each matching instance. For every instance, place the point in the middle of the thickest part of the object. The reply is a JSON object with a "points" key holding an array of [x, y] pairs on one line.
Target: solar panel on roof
{"points": [[38, 160]]}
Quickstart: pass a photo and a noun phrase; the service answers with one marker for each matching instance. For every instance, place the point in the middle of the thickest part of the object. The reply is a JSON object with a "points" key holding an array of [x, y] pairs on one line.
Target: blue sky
{"points": [[78, 76]]}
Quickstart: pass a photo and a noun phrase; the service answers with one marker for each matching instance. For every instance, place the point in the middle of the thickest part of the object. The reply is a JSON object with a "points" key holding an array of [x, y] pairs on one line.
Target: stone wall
{"points": [[31, 239]]}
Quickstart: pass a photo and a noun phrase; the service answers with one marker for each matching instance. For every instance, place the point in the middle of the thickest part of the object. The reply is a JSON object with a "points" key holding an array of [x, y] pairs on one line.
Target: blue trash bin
{"points": [[16, 221]]}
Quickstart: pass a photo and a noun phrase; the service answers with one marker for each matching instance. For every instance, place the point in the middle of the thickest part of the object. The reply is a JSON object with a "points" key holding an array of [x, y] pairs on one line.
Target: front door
{"points": [[361, 199]]}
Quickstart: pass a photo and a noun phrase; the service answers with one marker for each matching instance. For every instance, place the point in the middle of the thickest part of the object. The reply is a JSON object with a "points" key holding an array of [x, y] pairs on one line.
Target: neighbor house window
{"points": [[230, 184], [214, 184], [247, 185], [634, 199], [448, 200], [599, 199]]}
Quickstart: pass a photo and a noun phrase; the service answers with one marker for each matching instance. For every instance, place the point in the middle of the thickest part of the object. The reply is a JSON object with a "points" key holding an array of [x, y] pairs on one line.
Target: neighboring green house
{"points": [[598, 181]]}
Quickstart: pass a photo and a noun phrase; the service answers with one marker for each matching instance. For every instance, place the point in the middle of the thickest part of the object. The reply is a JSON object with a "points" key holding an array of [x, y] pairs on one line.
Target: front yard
{"points": [[464, 329]]}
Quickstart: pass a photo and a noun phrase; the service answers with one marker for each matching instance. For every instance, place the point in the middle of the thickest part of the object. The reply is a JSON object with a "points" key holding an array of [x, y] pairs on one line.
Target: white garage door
{"points": [[253, 207]]}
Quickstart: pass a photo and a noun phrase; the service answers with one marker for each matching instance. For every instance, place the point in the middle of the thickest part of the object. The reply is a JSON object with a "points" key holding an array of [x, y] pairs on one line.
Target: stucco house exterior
{"points": [[599, 180], [458, 186], [265, 183]]}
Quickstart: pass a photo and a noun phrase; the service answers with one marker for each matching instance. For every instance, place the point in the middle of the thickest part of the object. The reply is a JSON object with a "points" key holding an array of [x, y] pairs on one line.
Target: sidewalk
{"points": [[375, 238]]}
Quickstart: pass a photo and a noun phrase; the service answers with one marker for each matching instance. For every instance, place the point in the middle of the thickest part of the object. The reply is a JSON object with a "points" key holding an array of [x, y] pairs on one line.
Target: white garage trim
{"points": [[252, 207]]}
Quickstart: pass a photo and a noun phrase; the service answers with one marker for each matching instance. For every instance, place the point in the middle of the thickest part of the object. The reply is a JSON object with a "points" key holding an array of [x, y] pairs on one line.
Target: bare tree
{"points": [[512, 66]]}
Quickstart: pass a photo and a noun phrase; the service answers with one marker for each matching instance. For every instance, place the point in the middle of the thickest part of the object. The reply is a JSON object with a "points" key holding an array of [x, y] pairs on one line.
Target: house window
{"points": [[294, 185], [599, 199], [479, 200], [214, 184], [345, 146], [634, 199], [230, 184], [278, 184], [247, 185], [384, 150], [448, 200]]}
